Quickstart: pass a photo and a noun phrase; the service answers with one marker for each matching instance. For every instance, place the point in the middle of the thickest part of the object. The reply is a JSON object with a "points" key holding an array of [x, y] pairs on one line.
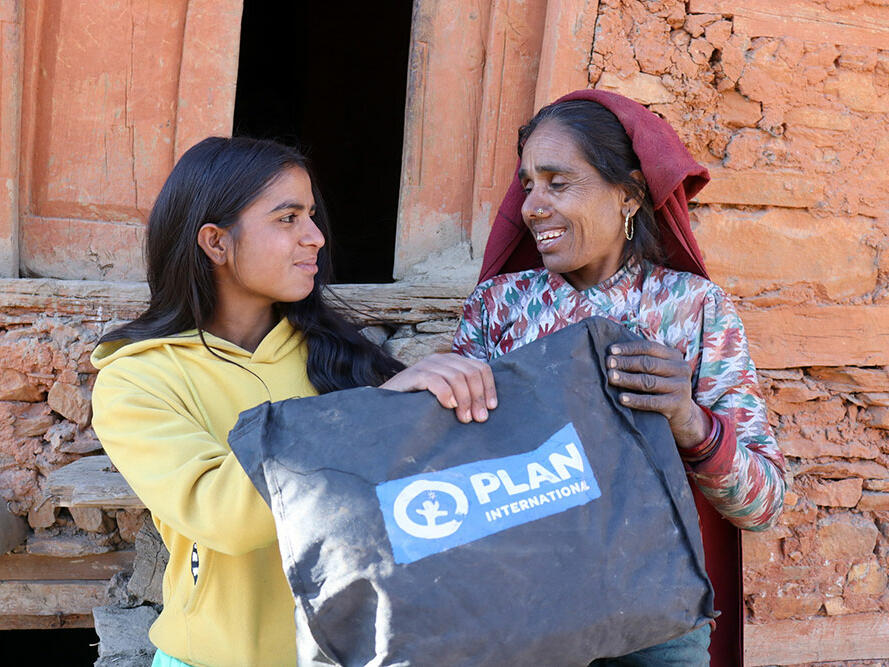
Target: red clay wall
{"points": [[791, 114], [788, 104]]}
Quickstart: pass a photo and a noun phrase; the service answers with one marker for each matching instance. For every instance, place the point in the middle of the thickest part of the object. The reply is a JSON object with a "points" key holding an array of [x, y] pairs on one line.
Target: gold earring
{"points": [[629, 227]]}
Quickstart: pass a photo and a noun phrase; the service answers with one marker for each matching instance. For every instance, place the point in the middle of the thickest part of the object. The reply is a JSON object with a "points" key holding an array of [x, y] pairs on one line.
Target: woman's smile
{"points": [[548, 239]]}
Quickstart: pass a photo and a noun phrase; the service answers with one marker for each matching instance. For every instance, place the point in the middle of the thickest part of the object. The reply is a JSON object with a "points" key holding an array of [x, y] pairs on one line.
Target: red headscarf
{"points": [[672, 175], [673, 178]]}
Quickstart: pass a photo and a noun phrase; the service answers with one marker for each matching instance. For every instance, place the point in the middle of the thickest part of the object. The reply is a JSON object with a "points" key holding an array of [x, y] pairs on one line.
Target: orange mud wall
{"points": [[787, 103]]}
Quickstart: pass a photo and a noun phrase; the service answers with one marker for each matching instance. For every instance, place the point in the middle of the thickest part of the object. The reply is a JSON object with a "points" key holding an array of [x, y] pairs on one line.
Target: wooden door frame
{"points": [[11, 72], [207, 77], [477, 72]]}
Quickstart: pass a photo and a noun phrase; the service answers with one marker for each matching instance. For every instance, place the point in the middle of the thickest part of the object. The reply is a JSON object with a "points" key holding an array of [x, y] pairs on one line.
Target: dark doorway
{"points": [[331, 78], [75, 647]]}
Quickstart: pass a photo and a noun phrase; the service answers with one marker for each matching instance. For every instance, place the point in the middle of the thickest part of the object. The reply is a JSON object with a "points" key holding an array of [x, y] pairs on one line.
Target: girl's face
{"points": [[273, 256], [575, 216]]}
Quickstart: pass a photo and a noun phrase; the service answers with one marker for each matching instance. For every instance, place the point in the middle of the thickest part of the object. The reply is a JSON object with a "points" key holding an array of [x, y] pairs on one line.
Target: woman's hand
{"points": [[660, 380], [467, 385]]}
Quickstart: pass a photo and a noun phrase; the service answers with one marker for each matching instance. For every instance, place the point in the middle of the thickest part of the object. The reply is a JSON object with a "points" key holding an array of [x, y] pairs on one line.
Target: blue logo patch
{"points": [[429, 513]]}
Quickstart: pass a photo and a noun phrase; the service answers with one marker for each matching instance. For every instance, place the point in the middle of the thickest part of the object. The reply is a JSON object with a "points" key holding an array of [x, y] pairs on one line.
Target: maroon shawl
{"points": [[673, 178]]}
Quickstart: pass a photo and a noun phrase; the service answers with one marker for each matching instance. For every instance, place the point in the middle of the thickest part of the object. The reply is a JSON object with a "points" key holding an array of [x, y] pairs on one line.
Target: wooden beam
{"points": [[37, 622], [818, 639], [780, 337], [398, 303], [30, 567], [208, 71], [49, 598], [565, 53], [402, 303], [512, 57], [91, 482], [91, 299], [441, 129]]}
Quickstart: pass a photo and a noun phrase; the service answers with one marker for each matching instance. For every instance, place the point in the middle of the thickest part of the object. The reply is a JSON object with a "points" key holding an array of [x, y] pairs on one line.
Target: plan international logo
{"points": [[432, 512]]}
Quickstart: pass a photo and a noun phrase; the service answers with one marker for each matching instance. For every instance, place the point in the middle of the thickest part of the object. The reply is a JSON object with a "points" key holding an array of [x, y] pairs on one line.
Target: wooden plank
{"points": [[68, 545], [512, 54], [30, 567], [91, 482], [75, 249], [812, 335], [781, 337], [405, 303], [565, 52], [818, 639], [12, 45], [397, 303], [48, 598], [35, 622], [110, 164], [441, 128], [208, 71], [91, 299]]}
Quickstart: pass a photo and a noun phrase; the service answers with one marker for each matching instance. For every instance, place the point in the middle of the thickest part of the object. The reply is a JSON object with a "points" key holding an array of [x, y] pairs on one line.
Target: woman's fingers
{"points": [[648, 367], [654, 383], [458, 382], [659, 380], [473, 384], [466, 385], [645, 347], [651, 402]]}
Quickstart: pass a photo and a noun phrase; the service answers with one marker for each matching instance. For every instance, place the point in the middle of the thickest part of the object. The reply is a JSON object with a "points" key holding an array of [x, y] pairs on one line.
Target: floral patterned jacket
{"points": [[744, 479]]}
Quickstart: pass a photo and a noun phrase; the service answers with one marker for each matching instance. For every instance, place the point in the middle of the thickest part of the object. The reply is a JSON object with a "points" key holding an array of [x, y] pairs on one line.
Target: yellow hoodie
{"points": [[162, 410]]}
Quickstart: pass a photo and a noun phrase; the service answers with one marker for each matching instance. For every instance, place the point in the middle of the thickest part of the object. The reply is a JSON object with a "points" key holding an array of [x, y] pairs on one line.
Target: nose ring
{"points": [[540, 212]]}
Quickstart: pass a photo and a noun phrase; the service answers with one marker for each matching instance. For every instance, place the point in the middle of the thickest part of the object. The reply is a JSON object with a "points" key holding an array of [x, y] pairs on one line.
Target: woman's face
{"points": [[274, 254], [575, 216]]}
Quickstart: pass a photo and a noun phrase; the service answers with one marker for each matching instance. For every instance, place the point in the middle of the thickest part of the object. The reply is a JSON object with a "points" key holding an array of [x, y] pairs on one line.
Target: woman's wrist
{"points": [[695, 429], [704, 449]]}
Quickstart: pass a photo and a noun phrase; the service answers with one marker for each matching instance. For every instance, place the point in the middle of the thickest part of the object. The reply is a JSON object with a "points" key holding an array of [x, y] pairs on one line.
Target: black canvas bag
{"points": [[561, 530]]}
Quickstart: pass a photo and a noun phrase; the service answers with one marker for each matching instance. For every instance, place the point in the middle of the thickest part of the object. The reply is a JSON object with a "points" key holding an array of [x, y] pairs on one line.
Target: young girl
{"points": [[237, 260]]}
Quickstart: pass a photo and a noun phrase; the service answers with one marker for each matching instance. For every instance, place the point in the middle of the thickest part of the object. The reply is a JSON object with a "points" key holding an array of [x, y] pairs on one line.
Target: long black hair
{"points": [[212, 183], [604, 143]]}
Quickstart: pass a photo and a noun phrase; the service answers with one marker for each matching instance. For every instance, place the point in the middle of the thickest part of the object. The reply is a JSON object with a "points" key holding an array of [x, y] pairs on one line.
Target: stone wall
{"points": [[45, 383], [788, 103]]}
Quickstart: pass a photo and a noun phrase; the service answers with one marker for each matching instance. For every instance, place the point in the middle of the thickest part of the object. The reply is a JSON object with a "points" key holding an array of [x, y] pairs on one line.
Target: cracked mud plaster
{"points": [[678, 64], [753, 109], [819, 105], [809, 113]]}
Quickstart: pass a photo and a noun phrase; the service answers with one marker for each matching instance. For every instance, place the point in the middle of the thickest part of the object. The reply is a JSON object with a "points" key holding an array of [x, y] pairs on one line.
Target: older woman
{"points": [[596, 223]]}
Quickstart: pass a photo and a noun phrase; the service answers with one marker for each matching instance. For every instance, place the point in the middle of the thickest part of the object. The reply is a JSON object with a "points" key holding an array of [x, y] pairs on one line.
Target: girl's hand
{"points": [[467, 385], [660, 381]]}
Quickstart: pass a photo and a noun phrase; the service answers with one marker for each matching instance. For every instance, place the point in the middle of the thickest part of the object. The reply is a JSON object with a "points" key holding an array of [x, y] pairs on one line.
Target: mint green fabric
{"points": [[161, 659]]}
